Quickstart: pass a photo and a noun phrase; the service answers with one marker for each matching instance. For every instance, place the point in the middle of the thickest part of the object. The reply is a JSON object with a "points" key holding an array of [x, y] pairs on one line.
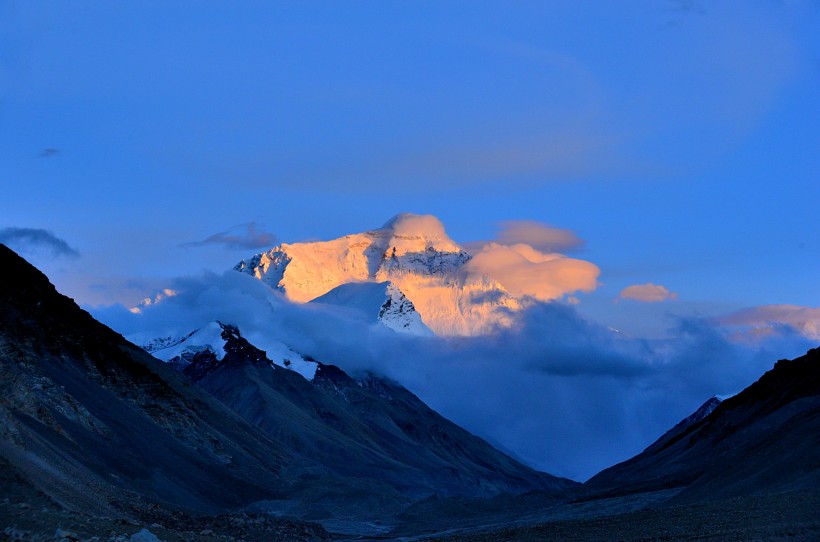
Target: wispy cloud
{"points": [[244, 236], [538, 235], [29, 240], [766, 319], [648, 293]]}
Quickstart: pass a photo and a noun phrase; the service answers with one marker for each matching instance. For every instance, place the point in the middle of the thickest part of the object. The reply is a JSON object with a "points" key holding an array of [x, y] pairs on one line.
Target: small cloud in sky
{"points": [[689, 6], [28, 240], [765, 319], [648, 293], [243, 236], [48, 152], [538, 235]]}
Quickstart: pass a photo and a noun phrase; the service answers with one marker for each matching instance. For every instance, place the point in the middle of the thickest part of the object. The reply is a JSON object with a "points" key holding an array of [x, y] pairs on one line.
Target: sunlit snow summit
{"points": [[408, 273]]}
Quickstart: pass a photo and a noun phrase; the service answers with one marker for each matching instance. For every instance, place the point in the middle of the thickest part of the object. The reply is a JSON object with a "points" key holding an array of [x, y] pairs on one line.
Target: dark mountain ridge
{"points": [[97, 426], [762, 440], [363, 428], [746, 468], [96, 422], [100, 427]]}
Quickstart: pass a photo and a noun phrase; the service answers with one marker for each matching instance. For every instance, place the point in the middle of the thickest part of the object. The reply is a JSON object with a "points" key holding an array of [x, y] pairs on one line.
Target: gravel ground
{"points": [[28, 515], [792, 516]]}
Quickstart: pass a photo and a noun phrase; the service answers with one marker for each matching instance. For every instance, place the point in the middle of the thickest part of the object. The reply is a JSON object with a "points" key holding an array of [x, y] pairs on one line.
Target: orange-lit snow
{"points": [[455, 293]]}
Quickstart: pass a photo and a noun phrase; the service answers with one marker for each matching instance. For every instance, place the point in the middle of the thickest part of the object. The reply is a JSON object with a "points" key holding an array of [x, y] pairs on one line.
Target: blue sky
{"points": [[679, 139]]}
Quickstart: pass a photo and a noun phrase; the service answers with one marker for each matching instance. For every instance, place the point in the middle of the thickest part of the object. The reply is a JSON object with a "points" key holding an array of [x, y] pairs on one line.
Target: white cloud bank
{"points": [[564, 394], [766, 319]]}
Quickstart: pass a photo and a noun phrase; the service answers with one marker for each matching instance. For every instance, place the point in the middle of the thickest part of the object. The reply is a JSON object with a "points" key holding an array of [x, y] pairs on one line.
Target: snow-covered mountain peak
{"points": [[406, 244], [412, 252]]}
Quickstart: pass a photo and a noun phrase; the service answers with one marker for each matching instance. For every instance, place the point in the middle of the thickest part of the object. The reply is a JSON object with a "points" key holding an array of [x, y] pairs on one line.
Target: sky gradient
{"points": [[676, 143]]}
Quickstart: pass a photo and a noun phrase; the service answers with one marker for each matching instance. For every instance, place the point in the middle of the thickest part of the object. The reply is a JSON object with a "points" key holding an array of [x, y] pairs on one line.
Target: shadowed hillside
{"points": [[764, 439]]}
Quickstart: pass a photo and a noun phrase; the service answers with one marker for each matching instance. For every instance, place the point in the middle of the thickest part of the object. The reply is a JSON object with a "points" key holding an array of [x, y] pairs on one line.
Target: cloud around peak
{"points": [[525, 271], [409, 224], [524, 259]]}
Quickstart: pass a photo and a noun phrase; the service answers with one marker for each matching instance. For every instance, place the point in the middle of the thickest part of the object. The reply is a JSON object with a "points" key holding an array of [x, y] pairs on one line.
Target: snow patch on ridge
{"points": [[180, 348], [280, 354], [207, 338]]}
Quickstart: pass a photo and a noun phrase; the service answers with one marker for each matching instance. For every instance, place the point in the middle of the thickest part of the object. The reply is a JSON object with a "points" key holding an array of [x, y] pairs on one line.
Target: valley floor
{"points": [[788, 516], [27, 515]]}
